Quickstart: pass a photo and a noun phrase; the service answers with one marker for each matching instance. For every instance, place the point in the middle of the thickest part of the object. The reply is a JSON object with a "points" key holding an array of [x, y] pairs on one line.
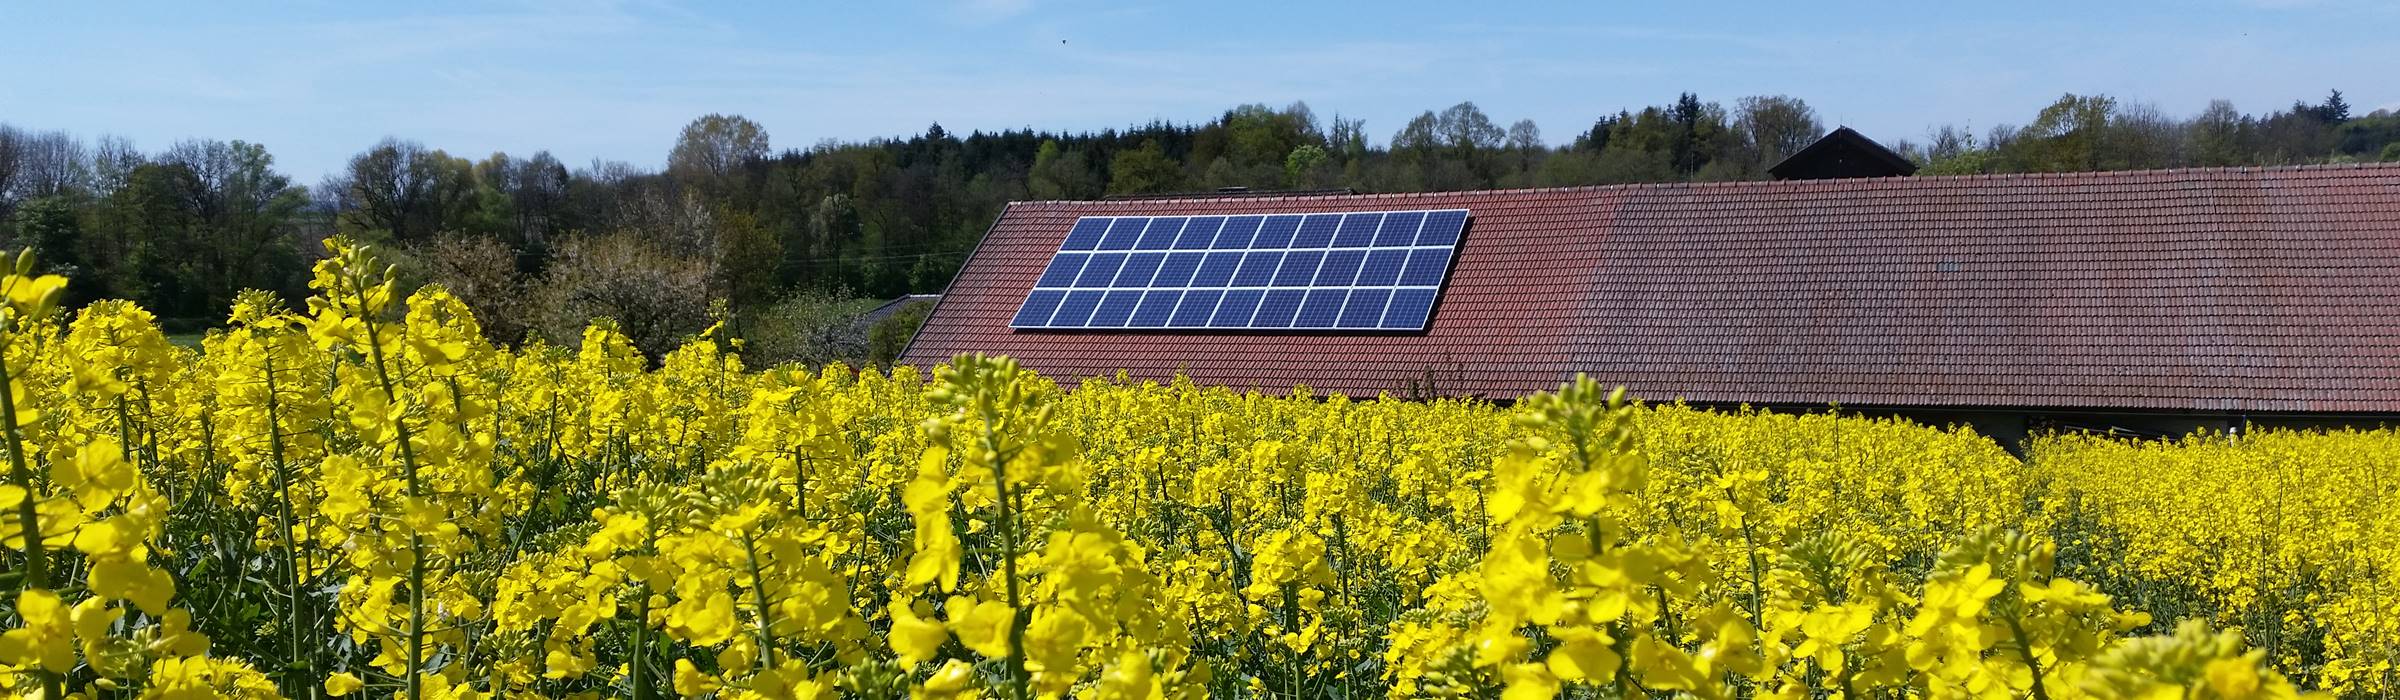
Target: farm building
{"points": [[2146, 301]]}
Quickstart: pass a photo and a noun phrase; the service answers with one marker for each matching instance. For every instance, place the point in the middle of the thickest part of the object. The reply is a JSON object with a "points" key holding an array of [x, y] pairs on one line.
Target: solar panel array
{"points": [[1357, 271]]}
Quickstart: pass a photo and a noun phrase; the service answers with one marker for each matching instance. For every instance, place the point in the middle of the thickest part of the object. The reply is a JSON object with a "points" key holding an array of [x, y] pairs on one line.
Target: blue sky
{"points": [[319, 81]]}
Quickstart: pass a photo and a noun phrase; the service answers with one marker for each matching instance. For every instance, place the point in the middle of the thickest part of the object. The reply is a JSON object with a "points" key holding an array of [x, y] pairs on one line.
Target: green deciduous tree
{"points": [[1061, 174], [53, 228], [1306, 167], [1144, 170], [404, 190], [1775, 127], [714, 148]]}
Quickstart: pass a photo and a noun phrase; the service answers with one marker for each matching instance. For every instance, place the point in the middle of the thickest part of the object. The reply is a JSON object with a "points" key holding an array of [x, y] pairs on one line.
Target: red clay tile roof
{"points": [[2239, 290]]}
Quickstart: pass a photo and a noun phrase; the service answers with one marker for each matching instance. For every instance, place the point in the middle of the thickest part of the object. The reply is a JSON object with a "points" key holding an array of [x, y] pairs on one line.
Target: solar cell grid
{"points": [[1197, 306], [1276, 232], [1340, 268], [1382, 267], [1062, 270], [1258, 269], [1331, 271], [1321, 308], [1317, 231], [1155, 308], [1425, 267], [1442, 227], [1236, 309], [1365, 308], [1299, 267], [1086, 234], [1123, 233], [1038, 308], [1357, 230], [1077, 309], [1177, 270], [1139, 269], [1161, 234], [1408, 309], [1399, 228], [1115, 308], [1217, 269], [1276, 310], [1100, 270], [1234, 234]]}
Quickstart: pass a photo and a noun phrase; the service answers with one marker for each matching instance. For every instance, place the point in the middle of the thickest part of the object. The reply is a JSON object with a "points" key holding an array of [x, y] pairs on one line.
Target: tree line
{"points": [[540, 247]]}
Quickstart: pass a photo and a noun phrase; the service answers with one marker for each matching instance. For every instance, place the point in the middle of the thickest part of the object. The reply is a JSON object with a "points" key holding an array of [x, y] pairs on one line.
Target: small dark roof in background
{"points": [[878, 314], [1841, 154]]}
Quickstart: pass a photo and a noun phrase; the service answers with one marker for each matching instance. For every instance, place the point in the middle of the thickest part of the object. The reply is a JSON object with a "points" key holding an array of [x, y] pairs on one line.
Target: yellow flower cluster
{"points": [[2292, 536], [362, 496], [81, 414]]}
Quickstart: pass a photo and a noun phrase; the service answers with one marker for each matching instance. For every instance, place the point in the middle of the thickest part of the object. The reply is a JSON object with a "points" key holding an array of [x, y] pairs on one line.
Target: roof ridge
{"points": [[1757, 184]]}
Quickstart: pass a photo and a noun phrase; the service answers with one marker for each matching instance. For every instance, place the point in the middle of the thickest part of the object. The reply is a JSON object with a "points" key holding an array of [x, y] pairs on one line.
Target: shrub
{"points": [[657, 297]]}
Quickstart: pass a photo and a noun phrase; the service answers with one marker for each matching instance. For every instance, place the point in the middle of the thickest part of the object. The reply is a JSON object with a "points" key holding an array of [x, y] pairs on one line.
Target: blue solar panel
{"points": [[1235, 310], [1374, 270], [1320, 309], [1442, 228], [1197, 306], [1234, 234], [1364, 310], [1409, 309], [1100, 270], [1299, 267], [1138, 270], [1216, 270], [1177, 270], [1115, 308], [1077, 309], [1426, 267], [1277, 309], [1358, 230], [1399, 228], [1340, 268], [1122, 234], [1382, 268], [1062, 270], [1316, 231], [1037, 309], [1258, 269], [1155, 308], [1161, 234], [1276, 232], [1086, 234]]}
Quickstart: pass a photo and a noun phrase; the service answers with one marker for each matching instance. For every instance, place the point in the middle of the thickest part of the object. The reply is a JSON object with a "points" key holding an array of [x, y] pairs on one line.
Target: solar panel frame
{"points": [[1340, 268], [1122, 233], [1077, 309], [1157, 306], [1161, 233], [1115, 308], [1276, 232], [1139, 269], [1178, 269], [1372, 271]]}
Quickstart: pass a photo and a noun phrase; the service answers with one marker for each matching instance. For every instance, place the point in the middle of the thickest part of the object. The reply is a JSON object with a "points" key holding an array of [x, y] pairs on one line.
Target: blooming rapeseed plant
{"points": [[362, 496]]}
